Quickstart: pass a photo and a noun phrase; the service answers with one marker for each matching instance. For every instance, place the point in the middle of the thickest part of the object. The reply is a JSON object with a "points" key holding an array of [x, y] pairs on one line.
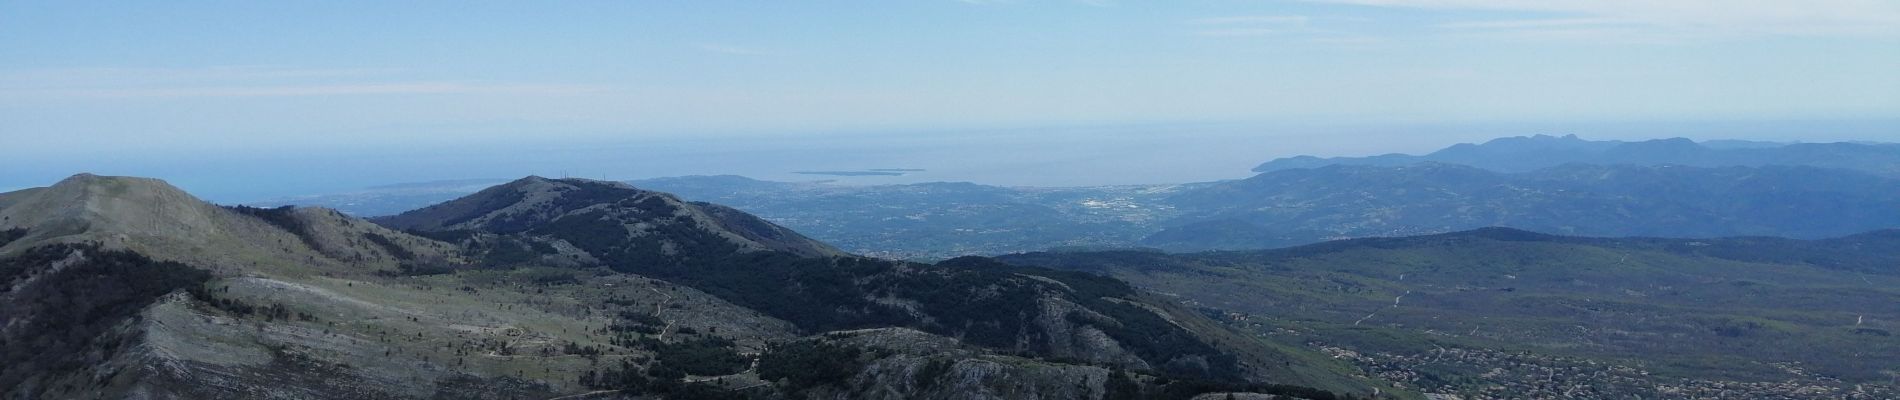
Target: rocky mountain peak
{"points": [[607, 216], [154, 218], [110, 207]]}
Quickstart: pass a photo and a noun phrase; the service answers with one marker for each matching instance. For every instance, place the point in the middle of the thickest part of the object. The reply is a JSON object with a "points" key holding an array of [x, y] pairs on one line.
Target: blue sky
{"points": [[127, 86]]}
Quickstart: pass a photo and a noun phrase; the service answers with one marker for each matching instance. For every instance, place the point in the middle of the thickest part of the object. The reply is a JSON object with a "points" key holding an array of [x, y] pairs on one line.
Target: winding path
{"points": [[657, 308], [575, 396]]}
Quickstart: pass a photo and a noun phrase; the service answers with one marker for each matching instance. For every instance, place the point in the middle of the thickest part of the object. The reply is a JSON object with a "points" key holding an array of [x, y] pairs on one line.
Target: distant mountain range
{"points": [[1298, 206], [1671, 188], [1524, 154]]}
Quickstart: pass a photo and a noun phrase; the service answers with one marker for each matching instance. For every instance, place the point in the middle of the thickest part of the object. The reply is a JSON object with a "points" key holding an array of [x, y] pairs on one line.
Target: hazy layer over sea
{"points": [[1037, 156]]}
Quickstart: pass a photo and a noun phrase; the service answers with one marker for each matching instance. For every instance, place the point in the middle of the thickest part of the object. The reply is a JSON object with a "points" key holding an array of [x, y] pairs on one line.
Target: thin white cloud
{"points": [[1537, 23], [1601, 30], [1674, 18], [721, 48], [1237, 32], [1091, 3], [1253, 19], [322, 90], [243, 81], [1348, 40], [119, 76], [1249, 25]]}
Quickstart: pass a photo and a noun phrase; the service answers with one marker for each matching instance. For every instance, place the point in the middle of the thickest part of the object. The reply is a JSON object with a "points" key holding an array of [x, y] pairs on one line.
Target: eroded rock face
{"points": [[1068, 340], [69, 312]]}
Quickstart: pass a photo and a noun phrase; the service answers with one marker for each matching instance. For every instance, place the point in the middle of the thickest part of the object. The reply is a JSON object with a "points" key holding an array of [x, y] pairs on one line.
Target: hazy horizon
{"points": [[1033, 156], [240, 100]]}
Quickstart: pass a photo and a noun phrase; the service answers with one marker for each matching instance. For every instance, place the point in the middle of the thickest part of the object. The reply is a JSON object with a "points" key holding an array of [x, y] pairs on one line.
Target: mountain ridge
{"points": [[1054, 315], [535, 201], [939, 221], [153, 218], [1528, 153], [541, 288], [1297, 206]]}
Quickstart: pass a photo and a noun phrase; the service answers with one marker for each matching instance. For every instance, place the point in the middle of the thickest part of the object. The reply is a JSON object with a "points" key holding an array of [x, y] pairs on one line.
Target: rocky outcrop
{"points": [[916, 365]]}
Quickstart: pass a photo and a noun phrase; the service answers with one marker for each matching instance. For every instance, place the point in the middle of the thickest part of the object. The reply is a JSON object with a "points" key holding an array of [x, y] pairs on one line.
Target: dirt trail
{"points": [[575, 396], [1395, 304], [657, 308]]}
